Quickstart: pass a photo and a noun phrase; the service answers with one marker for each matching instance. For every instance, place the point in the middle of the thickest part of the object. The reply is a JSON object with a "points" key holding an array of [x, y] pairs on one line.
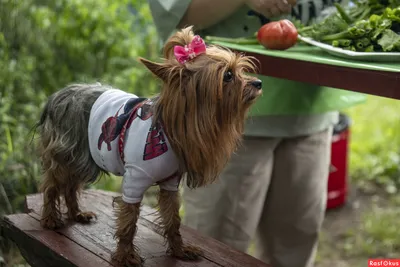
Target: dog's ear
{"points": [[158, 69]]}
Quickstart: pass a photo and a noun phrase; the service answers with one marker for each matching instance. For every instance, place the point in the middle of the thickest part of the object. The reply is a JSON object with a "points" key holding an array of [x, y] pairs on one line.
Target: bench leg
{"points": [[126, 253], [169, 204]]}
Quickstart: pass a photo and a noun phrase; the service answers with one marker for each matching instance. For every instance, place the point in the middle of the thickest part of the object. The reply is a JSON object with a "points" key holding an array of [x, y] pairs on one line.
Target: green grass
{"points": [[375, 143], [377, 235], [370, 231]]}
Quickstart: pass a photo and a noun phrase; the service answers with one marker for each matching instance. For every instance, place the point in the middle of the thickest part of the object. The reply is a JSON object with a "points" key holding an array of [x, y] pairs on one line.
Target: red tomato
{"points": [[278, 35]]}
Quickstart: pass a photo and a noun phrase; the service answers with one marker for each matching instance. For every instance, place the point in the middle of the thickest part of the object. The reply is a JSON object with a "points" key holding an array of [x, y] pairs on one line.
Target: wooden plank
{"points": [[34, 242], [379, 83], [213, 250], [97, 237]]}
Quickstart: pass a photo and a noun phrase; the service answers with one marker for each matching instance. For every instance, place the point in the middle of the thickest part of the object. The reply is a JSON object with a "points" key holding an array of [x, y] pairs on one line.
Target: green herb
{"points": [[369, 32], [341, 43], [390, 41], [250, 40], [343, 13], [362, 43]]}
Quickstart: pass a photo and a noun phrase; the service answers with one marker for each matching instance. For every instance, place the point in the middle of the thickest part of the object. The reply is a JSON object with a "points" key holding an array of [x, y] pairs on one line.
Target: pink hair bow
{"points": [[185, 53]]}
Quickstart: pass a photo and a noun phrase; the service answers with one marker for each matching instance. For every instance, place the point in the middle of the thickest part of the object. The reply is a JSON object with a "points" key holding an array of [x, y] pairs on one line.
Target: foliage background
{"points": [[46, 44]]}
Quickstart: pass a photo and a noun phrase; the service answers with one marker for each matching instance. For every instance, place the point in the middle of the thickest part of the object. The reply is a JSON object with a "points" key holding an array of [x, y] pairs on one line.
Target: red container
{"points": [[337, 181]]}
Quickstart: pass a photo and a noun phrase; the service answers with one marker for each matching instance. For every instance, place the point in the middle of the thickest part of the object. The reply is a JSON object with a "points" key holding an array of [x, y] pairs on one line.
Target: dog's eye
{"points": [[228, 76]]}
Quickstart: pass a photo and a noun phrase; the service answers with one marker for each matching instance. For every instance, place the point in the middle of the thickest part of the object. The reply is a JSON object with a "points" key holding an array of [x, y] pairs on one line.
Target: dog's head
{"points": [[205, 97], [214, 77]]}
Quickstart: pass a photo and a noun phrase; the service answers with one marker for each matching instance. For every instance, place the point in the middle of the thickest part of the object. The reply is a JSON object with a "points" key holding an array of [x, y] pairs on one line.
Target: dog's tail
{"points": [[63, 130]]}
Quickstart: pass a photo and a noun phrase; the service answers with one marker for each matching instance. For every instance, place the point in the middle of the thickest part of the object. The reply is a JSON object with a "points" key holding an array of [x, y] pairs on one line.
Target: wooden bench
{"points": [[92, 244]]}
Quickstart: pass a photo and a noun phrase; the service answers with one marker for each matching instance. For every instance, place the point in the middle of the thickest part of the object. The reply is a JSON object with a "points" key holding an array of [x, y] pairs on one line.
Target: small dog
{"points": [[191, 128]]}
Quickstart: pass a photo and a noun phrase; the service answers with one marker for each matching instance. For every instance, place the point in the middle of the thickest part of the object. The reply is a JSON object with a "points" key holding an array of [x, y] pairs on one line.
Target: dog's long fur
{"points": [[203, 118], [64, 151]]}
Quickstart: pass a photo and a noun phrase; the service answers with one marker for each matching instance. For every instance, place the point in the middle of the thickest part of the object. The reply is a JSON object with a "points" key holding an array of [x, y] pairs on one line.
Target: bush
{"points": [[47, 44]]}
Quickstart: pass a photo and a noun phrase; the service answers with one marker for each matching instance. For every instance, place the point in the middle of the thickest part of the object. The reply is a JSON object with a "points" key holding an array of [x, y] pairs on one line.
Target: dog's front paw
{"points": [[131, 259], [189, 253], [52, 222], [85, 217]]}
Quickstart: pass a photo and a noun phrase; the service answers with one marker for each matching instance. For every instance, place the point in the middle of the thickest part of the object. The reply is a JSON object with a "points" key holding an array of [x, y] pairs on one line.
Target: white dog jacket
{"points": [[123, 141]]}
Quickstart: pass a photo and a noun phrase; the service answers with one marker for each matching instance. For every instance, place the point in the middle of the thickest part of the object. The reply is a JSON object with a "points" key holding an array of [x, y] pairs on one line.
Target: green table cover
{"points": [[313, 54]]}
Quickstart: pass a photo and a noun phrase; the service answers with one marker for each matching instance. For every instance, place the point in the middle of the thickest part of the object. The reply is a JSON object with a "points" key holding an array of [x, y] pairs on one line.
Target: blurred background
{"points": [[46, 44]]}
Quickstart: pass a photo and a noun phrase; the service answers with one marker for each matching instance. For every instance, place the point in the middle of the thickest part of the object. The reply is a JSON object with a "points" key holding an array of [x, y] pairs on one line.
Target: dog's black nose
{"points": [[257, 84]]}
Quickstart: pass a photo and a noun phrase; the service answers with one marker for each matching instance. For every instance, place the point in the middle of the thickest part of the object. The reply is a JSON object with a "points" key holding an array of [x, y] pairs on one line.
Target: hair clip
{"points": [[188, 52]]}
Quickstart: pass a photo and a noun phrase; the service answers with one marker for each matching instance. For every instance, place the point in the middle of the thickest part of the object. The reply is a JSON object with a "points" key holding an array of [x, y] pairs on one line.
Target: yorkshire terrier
{"points": [[190, 128]]}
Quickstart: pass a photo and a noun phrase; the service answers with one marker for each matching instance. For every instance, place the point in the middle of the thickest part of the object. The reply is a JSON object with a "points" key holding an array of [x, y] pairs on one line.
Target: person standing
{"points": [[274, 187]]}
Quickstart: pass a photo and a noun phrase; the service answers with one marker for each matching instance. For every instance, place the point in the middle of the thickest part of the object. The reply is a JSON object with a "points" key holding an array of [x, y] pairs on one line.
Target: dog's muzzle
{"points": [[257, 84]]}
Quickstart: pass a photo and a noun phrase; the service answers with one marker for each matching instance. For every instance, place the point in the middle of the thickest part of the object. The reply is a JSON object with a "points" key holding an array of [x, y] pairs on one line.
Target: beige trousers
{"points": [[274, 191]]}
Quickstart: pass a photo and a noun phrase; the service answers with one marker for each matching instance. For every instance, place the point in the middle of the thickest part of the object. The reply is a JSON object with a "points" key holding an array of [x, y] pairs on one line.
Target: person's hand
{"points": [[271, 8]]}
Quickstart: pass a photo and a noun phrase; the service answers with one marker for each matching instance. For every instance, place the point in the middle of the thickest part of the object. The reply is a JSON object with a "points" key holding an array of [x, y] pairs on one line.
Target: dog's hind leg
{"points": [[51, 214], [169, 203], [71, 193], [64, 150]]}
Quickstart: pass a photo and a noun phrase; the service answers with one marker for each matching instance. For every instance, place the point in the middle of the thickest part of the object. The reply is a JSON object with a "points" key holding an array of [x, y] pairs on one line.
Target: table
{"points": [[91, 245], [310, 64]]}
